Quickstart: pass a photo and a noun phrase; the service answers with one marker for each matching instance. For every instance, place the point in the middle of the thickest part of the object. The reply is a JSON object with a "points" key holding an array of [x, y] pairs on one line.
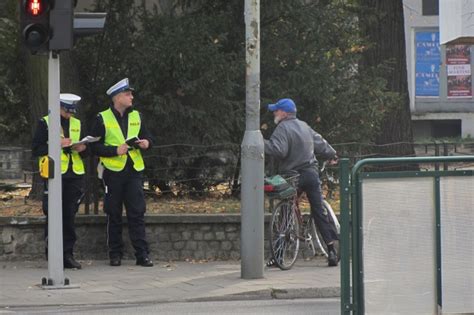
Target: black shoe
{"points": [[332, 258], [271, 263], [71, 263], [115, 261], [144, 262]]}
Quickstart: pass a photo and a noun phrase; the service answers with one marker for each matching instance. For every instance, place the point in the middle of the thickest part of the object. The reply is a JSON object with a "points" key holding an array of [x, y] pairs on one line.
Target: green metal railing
{"points": [[352, 272]]}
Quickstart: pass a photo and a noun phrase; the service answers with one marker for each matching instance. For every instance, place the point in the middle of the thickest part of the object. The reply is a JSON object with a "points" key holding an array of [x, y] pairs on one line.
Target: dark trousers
{"points": [[128, 191], [309, 183], [72, 192]]}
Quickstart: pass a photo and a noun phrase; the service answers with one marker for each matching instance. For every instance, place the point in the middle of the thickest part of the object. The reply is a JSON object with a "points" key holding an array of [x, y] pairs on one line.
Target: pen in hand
{"points": [[122, 149]]}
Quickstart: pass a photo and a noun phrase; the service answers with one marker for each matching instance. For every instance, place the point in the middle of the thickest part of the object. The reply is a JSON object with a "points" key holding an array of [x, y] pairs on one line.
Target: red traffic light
{"points": [[34, 24], [34, 7]]}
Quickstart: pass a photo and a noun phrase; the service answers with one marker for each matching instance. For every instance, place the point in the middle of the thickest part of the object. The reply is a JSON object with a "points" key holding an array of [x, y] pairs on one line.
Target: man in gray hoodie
{"points": [[294, 144]]}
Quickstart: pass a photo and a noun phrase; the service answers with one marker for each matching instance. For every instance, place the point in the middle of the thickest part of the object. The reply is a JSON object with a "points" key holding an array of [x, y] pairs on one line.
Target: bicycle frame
{"points": [[304, 228]]}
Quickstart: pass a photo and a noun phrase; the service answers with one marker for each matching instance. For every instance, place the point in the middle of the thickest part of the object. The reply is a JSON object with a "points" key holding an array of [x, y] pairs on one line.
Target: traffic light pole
{"points": [[48, 27], [55, 227], [252, 216]]}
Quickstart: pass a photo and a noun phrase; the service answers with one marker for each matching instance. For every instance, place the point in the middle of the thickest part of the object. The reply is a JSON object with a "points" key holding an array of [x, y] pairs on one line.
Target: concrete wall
{"points": [[171, 237], [455, 21], [11, 162]]}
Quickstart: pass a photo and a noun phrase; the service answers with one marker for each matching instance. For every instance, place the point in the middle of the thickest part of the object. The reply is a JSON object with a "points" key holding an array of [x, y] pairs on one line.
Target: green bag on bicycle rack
{"points": [[277, 187]]}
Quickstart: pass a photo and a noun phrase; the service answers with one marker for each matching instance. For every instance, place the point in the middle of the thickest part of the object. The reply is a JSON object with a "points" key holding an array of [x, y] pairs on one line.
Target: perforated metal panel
{"points": [[399, 248], [457, 244]]}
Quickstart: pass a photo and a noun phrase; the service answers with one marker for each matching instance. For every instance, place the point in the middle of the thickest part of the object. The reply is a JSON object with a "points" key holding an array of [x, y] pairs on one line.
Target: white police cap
{"points": [[69, 101], [118, 87]]}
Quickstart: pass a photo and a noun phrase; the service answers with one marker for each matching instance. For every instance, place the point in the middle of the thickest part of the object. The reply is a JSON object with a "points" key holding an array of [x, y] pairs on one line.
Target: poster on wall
{"points": [[458, 70], [428, 59]]}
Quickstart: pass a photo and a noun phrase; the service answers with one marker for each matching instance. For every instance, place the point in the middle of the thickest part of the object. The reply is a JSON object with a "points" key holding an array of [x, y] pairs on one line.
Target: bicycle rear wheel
{"points": [[284, 230]]}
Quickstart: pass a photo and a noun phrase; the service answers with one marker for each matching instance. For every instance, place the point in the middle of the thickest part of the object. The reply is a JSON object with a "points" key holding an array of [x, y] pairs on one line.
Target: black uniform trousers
{"points": [[125, 190], [72, 193], [309, 183]]}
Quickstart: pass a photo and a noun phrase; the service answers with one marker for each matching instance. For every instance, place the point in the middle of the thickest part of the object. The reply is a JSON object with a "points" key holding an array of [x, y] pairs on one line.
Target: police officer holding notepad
{"points": [[123, 138], [72, 170]]}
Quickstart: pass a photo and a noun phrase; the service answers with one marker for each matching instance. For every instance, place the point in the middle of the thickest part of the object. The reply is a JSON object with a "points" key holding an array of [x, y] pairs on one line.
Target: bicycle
{"points": [[288, 227]]}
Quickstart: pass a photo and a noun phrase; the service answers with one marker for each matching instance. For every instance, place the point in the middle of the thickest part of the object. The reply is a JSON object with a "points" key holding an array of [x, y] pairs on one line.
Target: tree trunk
{"points": [[36, 72], [382, 23], [70, 76]]}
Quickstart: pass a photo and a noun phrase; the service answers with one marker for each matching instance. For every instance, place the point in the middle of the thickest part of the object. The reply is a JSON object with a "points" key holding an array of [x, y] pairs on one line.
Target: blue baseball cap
{"points": [[285, 104]]}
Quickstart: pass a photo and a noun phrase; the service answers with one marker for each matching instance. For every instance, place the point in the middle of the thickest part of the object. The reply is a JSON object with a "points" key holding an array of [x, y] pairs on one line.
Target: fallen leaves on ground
{"points": [[17, 203]]}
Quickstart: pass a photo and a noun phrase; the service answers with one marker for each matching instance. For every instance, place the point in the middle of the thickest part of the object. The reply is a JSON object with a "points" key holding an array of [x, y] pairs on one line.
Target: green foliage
{"points": [[13, 119], [188, 72], [310, 53], [105, 59], [188, 68], [186, 60], [185, 69]]}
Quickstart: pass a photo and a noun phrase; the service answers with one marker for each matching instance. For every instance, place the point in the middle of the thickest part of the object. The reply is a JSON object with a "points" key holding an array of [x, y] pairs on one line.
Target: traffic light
{"points": [[34, 17], [53, 25]]}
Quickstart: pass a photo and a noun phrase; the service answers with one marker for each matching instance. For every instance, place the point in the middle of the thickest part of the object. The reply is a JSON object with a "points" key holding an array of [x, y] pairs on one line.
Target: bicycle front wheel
{"points": [[284, 230]]}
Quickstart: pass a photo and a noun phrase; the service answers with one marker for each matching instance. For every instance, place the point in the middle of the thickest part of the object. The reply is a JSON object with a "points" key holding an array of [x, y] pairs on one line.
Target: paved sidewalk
{"points": [[165, 282]]}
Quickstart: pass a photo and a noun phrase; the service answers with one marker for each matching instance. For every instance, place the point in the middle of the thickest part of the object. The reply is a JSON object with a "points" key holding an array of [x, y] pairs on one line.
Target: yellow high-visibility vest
{"points": [[114, 137], [75, 136]]}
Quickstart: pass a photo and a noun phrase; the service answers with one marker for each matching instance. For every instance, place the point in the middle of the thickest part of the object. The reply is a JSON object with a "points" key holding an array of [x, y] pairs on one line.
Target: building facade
{"points": [[440, 81]]}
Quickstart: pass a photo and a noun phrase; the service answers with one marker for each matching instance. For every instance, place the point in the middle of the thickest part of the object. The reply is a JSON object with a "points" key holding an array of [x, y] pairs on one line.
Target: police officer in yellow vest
{"points": [[72, 169], [123, 138]]}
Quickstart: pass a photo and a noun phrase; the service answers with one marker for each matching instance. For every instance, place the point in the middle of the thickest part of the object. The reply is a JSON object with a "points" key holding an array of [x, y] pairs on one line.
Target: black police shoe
{"points": [[115, 261], [71, 263], [144, 262], [332, 258]]}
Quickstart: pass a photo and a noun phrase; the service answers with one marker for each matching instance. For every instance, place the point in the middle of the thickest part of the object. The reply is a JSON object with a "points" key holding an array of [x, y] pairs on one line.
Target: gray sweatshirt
{"points": [[294, 143]]}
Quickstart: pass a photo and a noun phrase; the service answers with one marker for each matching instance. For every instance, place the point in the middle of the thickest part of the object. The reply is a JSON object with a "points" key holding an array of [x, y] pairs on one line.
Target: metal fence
{"points": [[195, 171], [407, 237]]}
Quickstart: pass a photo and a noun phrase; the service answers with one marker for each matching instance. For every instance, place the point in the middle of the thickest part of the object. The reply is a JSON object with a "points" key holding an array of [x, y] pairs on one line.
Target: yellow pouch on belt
{"points": [[45, 165]]}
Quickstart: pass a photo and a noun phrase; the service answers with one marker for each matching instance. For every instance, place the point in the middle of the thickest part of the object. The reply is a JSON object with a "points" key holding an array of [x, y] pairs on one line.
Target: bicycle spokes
{"points": [[309, 239], [284, 235]]}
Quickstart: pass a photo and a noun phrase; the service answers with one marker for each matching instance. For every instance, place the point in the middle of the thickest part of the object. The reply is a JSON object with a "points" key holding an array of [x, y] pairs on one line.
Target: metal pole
{"points": [[445, 153], [346, 306], [55, 234], [252, 223]]}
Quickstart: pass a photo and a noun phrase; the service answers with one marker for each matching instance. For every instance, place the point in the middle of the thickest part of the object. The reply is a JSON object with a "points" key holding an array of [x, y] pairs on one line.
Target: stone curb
{"points": [[277, 294], [266, 294]]}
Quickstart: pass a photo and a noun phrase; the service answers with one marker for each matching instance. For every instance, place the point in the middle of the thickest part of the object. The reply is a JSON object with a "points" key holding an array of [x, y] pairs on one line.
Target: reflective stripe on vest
{"points": [[114, 137], [75, 136]]}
